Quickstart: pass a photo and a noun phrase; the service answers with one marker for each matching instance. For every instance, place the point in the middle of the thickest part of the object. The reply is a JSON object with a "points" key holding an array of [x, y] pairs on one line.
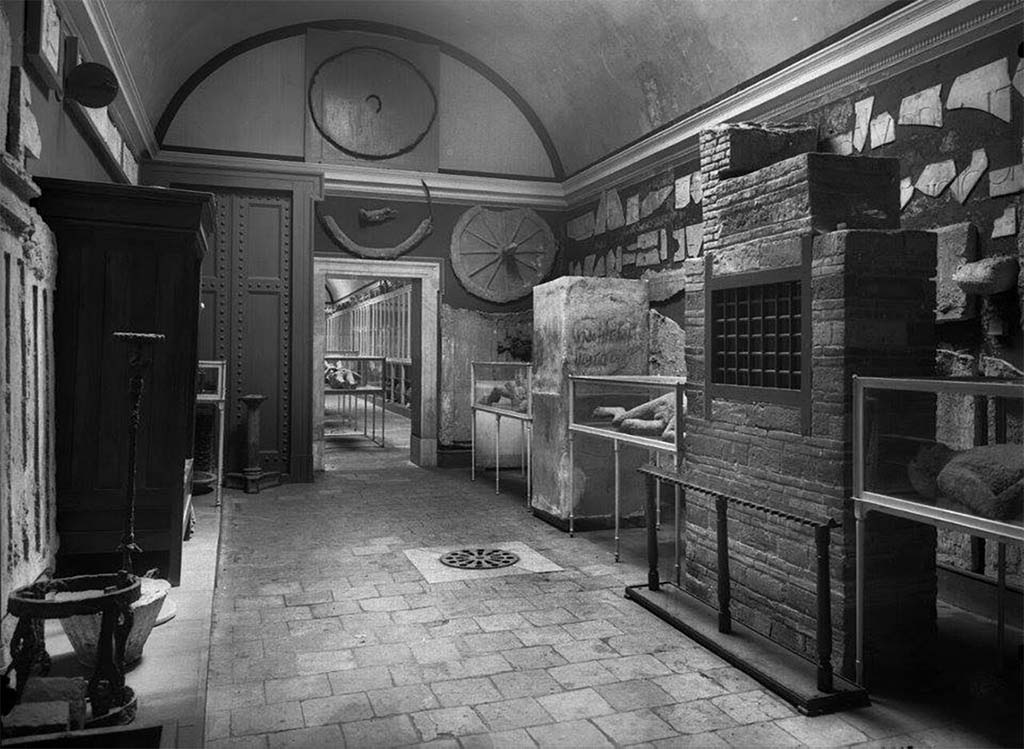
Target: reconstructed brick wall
{"points": [[872, 306]]}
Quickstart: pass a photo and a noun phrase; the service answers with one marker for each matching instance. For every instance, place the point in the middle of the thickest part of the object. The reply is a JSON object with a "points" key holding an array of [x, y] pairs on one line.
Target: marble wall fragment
{"points": [[588, 265], [601, 266], [632, 209], [581, 227], [1006, 181], [922, 108], [986, 88], [694, 240], [968, 178], [883, 130], [1005, 225], [906, 191], [683, 191], [653, 200], [614, 218], [696, 187], [1018, 78], [679, 235], [936, 177], [862, 109]]}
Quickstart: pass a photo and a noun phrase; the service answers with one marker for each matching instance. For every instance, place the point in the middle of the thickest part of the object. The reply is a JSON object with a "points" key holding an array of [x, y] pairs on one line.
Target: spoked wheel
{"points": [[500, 255]]}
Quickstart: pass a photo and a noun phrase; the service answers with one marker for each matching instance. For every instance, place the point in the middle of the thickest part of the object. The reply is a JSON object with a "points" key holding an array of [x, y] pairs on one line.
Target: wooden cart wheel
{"points": [[500, 255]]}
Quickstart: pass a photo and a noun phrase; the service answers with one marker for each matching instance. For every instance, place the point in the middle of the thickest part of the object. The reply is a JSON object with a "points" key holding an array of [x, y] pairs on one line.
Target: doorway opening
{"points": [[375, 353]]}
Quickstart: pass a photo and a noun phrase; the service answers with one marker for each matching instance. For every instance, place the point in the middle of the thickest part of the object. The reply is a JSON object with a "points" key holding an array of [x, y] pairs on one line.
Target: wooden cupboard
{"points": [[128, 260]]}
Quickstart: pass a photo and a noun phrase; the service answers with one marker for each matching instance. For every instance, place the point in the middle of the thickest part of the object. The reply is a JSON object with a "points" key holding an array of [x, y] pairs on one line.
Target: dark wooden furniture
{"points": [[128, 259]]}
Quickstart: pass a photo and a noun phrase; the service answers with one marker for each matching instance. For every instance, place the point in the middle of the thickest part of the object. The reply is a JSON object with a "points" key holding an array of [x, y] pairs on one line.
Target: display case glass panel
{"points": [[944, 445], [211, 381], [643, 410], [343, 371], [503, 387]]}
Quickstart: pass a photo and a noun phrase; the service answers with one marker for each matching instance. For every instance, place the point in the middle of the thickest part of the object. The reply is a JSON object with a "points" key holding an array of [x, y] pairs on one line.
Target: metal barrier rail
{"points": [[822, 541]]}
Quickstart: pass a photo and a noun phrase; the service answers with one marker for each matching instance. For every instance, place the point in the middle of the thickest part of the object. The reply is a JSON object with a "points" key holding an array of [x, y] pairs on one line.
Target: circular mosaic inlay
{"points": [[479, 559]]}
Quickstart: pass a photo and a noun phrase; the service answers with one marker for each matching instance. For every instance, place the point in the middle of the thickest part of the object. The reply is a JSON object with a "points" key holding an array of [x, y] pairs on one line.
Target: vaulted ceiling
{"points": [[598, 73]]}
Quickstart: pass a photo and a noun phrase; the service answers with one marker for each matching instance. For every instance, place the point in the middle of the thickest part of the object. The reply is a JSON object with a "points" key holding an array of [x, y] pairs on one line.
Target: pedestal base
{"points": [[252, 481]]}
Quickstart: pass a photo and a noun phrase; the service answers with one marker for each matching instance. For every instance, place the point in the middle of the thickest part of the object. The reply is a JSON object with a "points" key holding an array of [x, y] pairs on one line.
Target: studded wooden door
{"points": [[246, 320]]}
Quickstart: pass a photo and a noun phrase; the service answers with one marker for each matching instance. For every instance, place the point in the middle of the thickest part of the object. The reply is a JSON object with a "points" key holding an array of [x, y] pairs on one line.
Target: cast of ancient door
{"points": [[246, 293]]}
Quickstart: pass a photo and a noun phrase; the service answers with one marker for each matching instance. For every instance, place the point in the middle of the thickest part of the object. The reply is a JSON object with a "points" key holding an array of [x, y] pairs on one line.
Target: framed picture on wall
{"points": [[43, 42]]}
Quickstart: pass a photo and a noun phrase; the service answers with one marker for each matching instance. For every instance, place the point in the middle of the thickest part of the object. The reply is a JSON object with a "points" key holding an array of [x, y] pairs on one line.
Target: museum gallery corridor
{"points": [[325, 634]]}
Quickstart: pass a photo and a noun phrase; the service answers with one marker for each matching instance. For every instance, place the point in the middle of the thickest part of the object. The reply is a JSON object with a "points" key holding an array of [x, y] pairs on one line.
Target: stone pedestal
{"points": [[583, 326]]}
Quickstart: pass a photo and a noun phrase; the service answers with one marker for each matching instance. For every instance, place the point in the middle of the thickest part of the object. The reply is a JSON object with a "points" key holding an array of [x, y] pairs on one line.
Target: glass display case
{"points": [[503, 386], [942, 451], [354, 395], [641, 410], [502, 390]]}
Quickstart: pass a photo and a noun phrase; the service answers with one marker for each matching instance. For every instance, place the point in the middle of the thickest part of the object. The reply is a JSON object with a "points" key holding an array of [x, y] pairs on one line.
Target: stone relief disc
{"points": [[501, 255], [370, 103]]}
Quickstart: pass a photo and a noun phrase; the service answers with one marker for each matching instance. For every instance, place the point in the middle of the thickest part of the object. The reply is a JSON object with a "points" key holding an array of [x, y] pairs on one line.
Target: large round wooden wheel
{"points": [[500, 255]]}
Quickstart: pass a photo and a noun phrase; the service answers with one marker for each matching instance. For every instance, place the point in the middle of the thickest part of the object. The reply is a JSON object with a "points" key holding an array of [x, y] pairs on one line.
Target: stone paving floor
{"points": [[325, 634]]}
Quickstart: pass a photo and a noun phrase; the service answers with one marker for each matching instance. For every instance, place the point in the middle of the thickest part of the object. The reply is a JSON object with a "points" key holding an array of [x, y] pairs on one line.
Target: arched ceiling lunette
{"points": [[374, 27]]}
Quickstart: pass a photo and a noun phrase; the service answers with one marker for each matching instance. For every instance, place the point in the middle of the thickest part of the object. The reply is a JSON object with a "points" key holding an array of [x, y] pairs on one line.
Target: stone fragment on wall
{"points": [[906, 191], [986, 88], [23, 139], [696, 187], [934, 178], [922, 108], [1006, 181], [861, 127], [694, 239], [883, 130], [588, 265], [679, 235], [1005, 225], [609, 213], [682, 192], [581, 227], [600, 266], [969, 177], [632, 209], [668, 343], [955, 245], [988, 276], [1018, 77], [654, 200], [663, 245]]}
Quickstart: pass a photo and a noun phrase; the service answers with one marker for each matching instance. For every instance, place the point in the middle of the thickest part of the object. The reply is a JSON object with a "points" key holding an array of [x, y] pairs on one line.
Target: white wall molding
{"points": [[912, 35], [387, 183]]}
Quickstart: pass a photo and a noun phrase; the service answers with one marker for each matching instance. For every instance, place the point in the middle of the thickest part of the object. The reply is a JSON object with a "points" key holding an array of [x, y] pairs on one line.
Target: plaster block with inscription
{"points": [[1005, 225], [955, 245], [583, 326], [1006, 181], [936, 177]]}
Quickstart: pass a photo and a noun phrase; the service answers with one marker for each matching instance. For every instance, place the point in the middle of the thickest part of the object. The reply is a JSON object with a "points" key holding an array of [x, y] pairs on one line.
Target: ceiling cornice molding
{"points": [[385, 183], [90, 22], [917, 28]]}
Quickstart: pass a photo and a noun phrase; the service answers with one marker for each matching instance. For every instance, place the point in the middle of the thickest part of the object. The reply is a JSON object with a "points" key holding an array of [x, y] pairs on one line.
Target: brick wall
{"points": [[872, 305]]}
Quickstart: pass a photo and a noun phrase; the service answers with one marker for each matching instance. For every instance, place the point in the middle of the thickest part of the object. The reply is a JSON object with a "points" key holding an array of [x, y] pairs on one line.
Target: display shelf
{"points": [[903, 467], [643, 410], [503, 390], [356, 383]]}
